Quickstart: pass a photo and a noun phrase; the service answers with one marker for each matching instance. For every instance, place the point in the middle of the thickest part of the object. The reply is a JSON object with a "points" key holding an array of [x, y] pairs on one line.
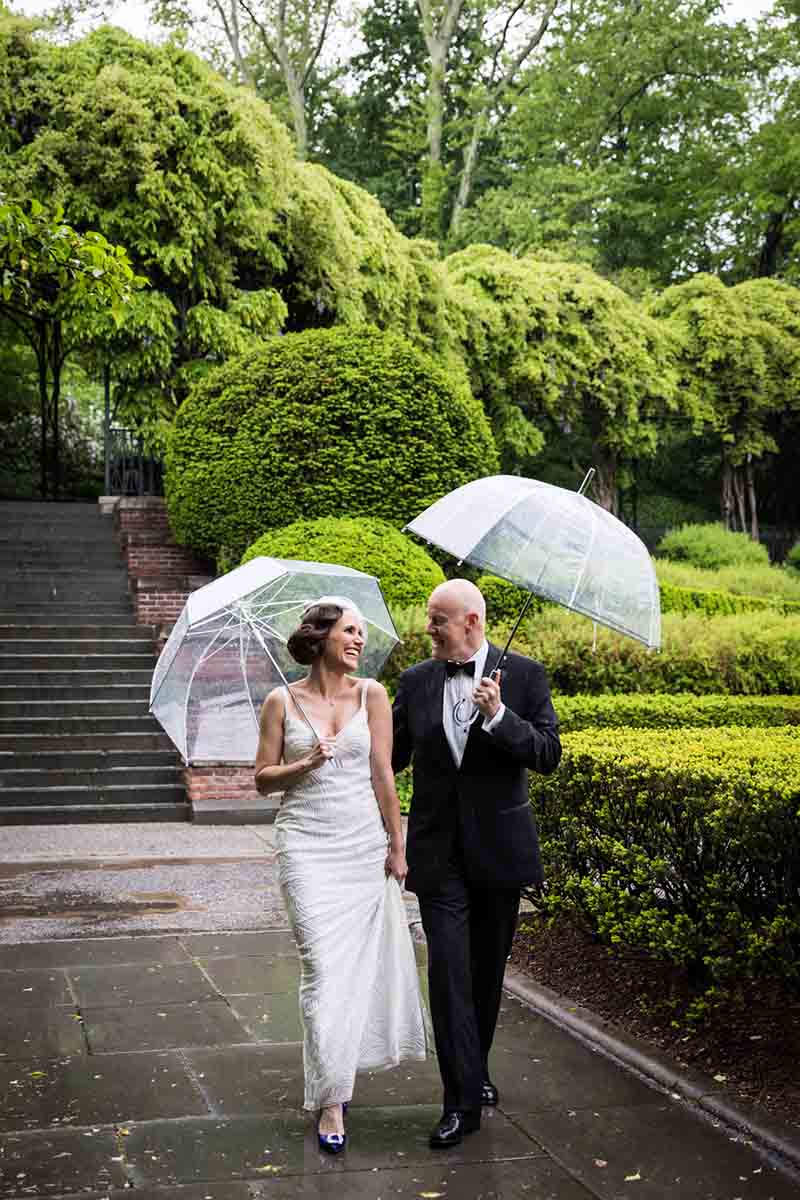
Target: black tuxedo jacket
{"points": [[482, 806]]}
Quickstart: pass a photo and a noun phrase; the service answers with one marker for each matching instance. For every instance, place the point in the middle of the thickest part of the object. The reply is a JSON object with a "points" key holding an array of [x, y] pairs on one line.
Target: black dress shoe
{"points": [[489, 1094], [453, 1126]]}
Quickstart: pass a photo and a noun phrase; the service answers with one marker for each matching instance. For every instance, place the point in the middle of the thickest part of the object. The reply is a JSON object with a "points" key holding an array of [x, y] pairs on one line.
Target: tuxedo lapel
{"points": [[434, 704]]}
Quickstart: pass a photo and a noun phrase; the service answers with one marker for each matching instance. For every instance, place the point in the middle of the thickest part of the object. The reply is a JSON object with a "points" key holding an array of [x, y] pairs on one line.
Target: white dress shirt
{"points": [[459, 709]]}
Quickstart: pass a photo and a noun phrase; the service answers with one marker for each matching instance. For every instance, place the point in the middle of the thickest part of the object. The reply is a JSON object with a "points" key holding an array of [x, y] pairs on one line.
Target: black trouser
{"points": [[469, 932]]}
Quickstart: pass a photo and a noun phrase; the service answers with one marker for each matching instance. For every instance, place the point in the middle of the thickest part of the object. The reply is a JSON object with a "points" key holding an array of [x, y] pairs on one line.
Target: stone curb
{"points": [[695, 1086]]}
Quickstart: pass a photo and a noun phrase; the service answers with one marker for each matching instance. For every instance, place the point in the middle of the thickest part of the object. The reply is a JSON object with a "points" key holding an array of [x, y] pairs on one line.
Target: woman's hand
{"points": [[321, 754], [396, 864]]}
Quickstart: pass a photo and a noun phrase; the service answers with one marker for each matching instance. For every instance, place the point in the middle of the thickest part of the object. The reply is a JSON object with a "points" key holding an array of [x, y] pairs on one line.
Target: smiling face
{"points": [[455, 628], [345, 642]]}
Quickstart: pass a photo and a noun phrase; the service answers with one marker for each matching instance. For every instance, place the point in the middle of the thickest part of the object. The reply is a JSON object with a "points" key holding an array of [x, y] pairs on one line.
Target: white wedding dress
{"points": [[360, 1001]]}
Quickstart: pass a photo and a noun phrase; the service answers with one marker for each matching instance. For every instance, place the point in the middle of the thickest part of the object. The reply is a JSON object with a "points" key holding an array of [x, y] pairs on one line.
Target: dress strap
{"points": [[364, 687]]}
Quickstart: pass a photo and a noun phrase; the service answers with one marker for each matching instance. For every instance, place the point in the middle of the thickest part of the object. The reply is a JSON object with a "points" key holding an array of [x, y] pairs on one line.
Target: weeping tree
{"points": [[549, 343], [740, 356], [64, 291]]}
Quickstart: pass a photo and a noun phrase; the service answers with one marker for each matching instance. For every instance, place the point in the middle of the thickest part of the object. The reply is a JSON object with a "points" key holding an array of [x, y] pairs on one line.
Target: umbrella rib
{"points": [[592, 539], [243, 621], [271, 657]]}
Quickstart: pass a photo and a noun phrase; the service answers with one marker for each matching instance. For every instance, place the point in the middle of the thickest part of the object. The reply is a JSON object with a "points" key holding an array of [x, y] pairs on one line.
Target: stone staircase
{"points": [[76, 740]]}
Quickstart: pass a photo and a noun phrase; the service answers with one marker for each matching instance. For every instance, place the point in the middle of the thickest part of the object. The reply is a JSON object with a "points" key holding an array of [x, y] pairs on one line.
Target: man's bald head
{"points": [[456, 619]]}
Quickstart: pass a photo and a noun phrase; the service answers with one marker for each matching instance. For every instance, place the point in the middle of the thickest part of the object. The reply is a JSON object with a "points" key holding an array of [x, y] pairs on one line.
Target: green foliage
{"points": [[406, 573], [686, 844], [793, 558], [553, 341], [714, 604], [674, 711], [504, 600], [746, 654], [323, 423], [711, 546], [765, 582]]}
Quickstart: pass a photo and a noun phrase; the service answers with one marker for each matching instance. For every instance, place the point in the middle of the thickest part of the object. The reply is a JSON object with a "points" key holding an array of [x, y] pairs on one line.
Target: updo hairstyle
{"points": [[308, 640]]}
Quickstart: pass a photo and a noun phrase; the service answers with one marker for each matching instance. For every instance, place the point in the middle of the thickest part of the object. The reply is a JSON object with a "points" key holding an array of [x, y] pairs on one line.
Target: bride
{"points": [[326, 743]]}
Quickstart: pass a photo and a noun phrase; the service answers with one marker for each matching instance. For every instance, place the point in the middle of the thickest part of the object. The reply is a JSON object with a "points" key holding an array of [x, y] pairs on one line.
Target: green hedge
{"points": [[662, 711], [329, 422], [407, 574], [765, 582], [711, 546], [793, 558], [714, 603], [747, 654], [687, 845]]}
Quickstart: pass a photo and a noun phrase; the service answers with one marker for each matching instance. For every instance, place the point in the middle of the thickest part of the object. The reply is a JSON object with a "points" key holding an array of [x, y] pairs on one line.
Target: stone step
{"points": [[75, 662], [75, 814], [126, 739], [75, 693], [89, 680], [12, 595], [85, 646], [99, 759], [77, 551], [117, 613], [22, 711], [83, 726], [43, 779], [74, 632], [125, 793]]}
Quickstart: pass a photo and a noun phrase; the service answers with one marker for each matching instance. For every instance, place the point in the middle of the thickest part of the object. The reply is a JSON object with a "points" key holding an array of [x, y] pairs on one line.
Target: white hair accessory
{"points": [[341, 602]]}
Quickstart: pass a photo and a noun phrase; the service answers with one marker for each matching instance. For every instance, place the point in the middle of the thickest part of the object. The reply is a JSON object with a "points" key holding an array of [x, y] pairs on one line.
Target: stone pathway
{"points": [[167, 1059]]}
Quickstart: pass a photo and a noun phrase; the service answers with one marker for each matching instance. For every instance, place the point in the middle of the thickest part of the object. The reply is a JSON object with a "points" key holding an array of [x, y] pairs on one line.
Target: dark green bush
{"points": [[687, 845], [504, 600], [793, 558], [663, 711], [407, 574], [714, 603], [748, 654], [330, 422], [711, 546]]}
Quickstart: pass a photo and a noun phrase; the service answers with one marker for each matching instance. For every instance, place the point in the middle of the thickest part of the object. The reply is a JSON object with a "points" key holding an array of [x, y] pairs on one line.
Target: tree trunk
{"points": [[433, 180], [55, 370], [297, 101], [467, 172], [771, 245], [604, 484], [44, 400], [739, 498], [752, 498], [726, 498]]}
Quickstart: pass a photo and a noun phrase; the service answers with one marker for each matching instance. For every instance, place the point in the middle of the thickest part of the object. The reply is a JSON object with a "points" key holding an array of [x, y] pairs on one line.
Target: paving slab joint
{"points": [[766, 1133]]}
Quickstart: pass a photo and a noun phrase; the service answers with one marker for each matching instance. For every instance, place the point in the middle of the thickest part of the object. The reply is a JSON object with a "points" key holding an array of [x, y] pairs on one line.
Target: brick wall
{"points": [[161, 574], [220, 782]]}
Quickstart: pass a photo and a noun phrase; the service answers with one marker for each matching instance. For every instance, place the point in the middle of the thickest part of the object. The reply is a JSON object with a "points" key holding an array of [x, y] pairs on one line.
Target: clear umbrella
{"points": [[227, 651], [552, 542]]}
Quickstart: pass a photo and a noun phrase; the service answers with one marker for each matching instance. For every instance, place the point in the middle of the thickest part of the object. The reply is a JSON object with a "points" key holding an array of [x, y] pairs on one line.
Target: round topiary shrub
{"points": [[329, 422], [407, 574], [712, 546]]}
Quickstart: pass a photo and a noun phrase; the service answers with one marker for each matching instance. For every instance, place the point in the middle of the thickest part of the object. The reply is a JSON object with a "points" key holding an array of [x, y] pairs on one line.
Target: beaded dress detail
{"points": [[360, 1001]]}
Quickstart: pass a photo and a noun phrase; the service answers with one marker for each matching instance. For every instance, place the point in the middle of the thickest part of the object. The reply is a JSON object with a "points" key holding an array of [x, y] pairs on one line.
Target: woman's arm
{"points": [[273, 775], [379, 714]]}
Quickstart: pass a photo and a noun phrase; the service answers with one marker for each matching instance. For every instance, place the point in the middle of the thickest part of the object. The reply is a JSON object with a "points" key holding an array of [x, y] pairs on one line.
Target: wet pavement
{"points": [[169, 1064]]}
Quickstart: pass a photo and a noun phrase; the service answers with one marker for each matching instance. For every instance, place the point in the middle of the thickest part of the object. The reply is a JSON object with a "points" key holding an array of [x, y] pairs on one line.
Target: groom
{"points": [[472, 841]]}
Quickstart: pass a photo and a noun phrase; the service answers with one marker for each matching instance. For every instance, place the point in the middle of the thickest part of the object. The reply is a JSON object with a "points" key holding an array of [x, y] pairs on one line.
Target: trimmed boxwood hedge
{"points": [[662, 711], [407, 574], [686, 844], [748, 654], [329, 422], [714, 603], [712, 545]]}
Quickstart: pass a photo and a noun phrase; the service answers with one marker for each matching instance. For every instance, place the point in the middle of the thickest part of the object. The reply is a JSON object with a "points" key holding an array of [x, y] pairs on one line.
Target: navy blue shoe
{"points": [[332, 1143]]}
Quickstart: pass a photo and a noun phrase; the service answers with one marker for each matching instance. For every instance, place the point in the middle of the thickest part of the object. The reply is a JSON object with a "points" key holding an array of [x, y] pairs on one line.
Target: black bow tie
{"points": [[454, 667]]}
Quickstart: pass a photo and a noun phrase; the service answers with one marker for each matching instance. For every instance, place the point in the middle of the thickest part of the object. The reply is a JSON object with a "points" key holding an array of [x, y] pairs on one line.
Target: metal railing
{"points": [[129, 470]]}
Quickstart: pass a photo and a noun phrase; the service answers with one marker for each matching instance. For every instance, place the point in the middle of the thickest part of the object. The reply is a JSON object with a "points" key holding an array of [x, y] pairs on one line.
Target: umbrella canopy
{"points": [[556, 543], [227, 651]]}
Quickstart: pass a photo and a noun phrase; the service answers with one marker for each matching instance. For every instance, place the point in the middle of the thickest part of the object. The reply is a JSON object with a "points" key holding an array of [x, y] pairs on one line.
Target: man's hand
{"points": [[487, 695]]}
